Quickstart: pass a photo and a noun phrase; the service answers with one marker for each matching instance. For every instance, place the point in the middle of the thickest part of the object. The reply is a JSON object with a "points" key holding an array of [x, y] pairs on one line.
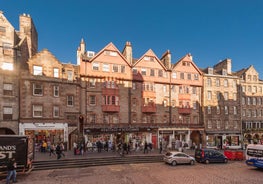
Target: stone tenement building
{"points": [[110, 95]]}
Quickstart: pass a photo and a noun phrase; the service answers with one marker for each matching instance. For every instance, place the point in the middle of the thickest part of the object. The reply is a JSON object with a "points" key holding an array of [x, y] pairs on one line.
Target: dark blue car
{"points": [[207, 156]]}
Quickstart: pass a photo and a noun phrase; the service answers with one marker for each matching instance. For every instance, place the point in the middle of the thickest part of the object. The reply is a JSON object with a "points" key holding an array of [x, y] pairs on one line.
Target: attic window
{"points": [[210, 71], [110, 53], [90, 53], [148, 58], [186, 63], [224, 72]]}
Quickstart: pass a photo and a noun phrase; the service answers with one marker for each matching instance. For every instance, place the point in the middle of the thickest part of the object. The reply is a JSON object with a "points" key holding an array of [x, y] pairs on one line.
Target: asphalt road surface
{"points": [[234, 172]]}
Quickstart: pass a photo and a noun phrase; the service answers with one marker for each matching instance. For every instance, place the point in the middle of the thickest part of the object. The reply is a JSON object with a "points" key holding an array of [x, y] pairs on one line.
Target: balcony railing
{"points": [[149, 108], [110, 91], [110, 108], [184, 96], [184, 110]]}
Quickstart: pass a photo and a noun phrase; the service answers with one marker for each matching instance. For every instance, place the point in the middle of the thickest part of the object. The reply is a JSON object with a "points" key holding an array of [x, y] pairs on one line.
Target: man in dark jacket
{"points": [[11, 170]]}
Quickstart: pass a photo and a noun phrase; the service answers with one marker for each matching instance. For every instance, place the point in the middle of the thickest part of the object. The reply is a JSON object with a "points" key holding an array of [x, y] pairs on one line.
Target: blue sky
{"points": [[211, 30]]}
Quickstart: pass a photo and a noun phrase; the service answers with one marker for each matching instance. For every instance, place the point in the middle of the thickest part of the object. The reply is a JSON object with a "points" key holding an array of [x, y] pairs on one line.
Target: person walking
{"points": [[58, 151], [145, 147], [62, 148], [161, 147], [11, 170], [52, 150]]}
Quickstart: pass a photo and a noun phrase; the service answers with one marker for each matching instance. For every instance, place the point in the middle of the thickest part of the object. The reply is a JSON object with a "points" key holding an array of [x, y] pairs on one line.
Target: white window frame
{"points": [[37, 70], [8, 89], [36, 88], [56, 91], [70, 100], [105, 67], [70, 75], [37, 109], [95, 66], [7, 66], [92, 100], [56, 72], [55, 111]]}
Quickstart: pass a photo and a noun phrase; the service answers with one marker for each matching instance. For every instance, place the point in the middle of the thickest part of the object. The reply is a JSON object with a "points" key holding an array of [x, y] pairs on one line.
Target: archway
{"points": [[196, 138]]}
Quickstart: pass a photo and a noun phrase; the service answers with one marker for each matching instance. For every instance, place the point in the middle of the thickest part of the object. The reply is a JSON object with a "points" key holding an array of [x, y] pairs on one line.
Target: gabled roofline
{"points": [[105, 48], [145, 54]]}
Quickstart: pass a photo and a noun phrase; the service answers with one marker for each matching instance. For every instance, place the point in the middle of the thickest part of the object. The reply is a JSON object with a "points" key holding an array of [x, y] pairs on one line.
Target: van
{"points": [[207, 156]]}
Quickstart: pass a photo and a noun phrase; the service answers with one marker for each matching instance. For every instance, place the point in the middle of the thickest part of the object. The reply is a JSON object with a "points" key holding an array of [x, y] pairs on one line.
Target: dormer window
{"points": [[210, 71], [224, 72], [37, 70]]}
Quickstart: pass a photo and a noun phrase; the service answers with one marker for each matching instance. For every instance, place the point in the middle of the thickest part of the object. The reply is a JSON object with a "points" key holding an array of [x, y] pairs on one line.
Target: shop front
{"points": [[135, 135], [173, 138], [48, 132], [222, 141]]}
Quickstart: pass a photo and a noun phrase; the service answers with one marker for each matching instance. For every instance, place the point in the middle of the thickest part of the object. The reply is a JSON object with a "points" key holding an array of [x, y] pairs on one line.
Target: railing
{"points": [[150, 108], [184, 110], [110, 91], [110, 108]]}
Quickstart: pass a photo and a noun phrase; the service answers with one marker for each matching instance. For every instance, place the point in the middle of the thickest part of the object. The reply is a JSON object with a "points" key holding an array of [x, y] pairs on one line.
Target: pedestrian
{"points": [[161, 147], [11, 170], [58, 151], [75, 146], [125, 148], [145, 147], [52, 150], [62, 148]]}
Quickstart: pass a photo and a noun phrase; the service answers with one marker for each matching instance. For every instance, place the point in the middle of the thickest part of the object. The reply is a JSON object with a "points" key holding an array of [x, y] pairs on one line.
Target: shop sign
{"points": [[181, 132], [165, 132], [113, 130]]}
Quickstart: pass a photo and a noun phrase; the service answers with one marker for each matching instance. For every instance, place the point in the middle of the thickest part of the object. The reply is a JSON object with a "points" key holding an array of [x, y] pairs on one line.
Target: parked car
{"points": [[207, 156], [175, 157]]}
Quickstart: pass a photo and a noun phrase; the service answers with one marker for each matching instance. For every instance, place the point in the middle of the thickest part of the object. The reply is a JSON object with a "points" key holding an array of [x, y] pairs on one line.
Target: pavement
{"points": [[40, 156]]}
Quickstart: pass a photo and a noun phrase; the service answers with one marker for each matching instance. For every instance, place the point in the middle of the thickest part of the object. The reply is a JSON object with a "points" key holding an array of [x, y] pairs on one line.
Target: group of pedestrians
{"points": [[57, 150]]}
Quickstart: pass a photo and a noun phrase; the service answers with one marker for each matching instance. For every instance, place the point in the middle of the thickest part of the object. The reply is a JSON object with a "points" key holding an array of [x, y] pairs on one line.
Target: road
{"points": [[153, 173]]}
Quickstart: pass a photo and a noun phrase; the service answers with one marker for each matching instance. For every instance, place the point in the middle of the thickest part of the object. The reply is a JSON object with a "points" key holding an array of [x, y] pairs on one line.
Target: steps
{"points": [[88, 162]]}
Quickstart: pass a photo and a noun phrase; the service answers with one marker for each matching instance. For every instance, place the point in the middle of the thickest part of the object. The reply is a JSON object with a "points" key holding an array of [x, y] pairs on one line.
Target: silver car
{"points": [[175, 157]]}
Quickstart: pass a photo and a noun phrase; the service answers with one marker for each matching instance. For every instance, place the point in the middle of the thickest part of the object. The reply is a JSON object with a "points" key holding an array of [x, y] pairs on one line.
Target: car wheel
{"points": [[174, 163], [225, 161], [207, 161], [192, 162]]}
